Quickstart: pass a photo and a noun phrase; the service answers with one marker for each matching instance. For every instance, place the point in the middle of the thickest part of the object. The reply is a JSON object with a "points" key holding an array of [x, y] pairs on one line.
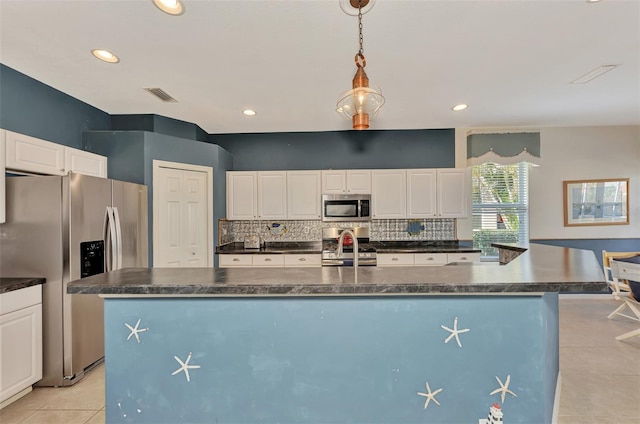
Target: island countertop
{"points": [[539, 269]]}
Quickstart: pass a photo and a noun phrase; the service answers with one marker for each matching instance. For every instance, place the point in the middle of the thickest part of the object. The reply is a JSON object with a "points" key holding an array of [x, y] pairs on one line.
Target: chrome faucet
{"points": [[355, 246]]}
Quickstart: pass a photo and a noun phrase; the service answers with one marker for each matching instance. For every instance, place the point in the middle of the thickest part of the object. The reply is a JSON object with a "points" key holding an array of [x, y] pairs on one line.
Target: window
{"points": [[500, 205]]}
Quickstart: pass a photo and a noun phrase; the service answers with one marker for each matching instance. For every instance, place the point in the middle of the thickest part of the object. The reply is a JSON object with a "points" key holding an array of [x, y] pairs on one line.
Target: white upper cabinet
{"points": [[272, 195], [303, 195], [421, 193], [353, 181], [334, 182], [389, 193], [452, 193], [242, 189], [30, 154], [359, 181], [395, 193], [86, 163]]}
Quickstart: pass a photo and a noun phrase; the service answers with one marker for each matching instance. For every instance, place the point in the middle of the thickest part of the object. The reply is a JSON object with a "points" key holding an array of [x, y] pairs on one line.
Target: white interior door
{"points": [[181, 218]]}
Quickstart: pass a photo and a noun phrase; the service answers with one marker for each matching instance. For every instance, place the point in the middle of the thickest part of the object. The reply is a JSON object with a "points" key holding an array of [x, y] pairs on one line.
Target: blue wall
{"points": [[131, 155], [158, 124], [32, 108], [341, 150], [330, 360]]}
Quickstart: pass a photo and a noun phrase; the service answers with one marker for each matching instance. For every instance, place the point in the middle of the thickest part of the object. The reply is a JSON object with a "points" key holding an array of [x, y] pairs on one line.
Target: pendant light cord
{"points": [[361, 51]]}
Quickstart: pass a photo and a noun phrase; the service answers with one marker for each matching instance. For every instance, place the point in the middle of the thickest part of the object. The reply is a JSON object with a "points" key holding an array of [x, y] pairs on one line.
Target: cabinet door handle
{"points": [[267, 260], [236, 259], [301, 259]]}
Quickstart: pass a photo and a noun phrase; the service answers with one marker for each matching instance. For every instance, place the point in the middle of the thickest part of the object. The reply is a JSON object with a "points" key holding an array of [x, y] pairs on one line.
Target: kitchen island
{"points": [[310, 345]]}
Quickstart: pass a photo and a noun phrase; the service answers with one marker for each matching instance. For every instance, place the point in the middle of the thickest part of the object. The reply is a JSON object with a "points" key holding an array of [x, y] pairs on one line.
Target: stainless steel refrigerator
{"points": [[65, 228]]}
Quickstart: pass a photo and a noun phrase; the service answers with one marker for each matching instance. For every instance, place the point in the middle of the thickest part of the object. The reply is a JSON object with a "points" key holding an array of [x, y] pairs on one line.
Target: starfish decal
{"points": [[455, 332], [135, 331], [184, 366], [504, 388], [431, 396]]}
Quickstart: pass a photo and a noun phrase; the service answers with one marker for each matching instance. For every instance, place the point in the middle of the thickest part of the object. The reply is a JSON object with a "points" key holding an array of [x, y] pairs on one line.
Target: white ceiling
{"points": [[510, 60]]}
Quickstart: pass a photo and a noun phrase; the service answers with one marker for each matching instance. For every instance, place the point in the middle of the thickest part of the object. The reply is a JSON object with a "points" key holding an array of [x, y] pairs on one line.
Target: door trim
{"points": [[157, 164]]}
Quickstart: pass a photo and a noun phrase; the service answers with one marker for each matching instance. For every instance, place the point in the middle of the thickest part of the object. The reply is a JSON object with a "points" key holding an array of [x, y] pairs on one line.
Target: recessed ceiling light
{"points": [[249, 112], [593, 74], [172, 7], [593, 1], [460, 107], [105, 56]]}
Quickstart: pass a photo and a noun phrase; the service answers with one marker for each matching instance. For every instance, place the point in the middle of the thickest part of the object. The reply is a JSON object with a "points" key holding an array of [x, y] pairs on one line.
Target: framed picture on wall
{"points": [[596, 202]]}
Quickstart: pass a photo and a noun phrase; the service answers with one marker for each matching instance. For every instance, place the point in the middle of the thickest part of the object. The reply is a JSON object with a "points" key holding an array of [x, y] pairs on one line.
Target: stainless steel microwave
{"points": [[346, 207]]}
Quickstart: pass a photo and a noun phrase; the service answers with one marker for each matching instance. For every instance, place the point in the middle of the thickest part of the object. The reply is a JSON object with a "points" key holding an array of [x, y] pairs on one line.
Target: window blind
{"points": [[500, 211]]}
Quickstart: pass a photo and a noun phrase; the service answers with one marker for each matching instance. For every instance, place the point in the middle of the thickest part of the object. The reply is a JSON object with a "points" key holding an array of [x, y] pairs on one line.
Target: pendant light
{"points": [[362, 101]]}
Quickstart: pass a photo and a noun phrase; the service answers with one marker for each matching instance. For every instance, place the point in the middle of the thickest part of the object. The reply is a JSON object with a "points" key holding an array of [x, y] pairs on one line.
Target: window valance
{"points": [[504, 148]]}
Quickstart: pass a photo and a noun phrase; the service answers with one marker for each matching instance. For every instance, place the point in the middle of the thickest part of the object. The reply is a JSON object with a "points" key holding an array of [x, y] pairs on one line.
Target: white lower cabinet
{"points": [[302, 260], [233, 261], [267, 261], [395, 259], [463, 257], [20, 340], [425, 259], [430, 259], [259, 261]]}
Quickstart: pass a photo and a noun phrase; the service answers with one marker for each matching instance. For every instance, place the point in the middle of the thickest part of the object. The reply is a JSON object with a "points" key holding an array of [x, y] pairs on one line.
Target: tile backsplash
{"points": [[380, 229]]}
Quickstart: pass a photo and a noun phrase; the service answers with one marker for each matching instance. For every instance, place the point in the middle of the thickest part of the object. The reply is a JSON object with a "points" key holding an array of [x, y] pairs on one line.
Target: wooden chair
{"points": [[631, 273], [619, 287]]}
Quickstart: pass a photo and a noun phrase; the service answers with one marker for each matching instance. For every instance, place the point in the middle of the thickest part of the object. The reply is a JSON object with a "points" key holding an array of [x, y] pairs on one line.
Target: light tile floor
{"points": [[600, 376]]}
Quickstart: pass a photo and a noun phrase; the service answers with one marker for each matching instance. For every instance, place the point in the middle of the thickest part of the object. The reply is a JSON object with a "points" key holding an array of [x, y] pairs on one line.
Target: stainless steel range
{"points": [[366, 252]]}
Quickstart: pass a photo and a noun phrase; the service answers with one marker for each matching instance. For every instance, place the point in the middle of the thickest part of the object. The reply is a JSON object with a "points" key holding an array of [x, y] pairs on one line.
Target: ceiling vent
{"points": [[161, 94]]}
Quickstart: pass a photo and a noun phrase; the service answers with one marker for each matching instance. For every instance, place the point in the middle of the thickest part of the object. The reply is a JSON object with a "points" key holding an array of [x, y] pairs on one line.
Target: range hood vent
{"points": [[161, 94]]}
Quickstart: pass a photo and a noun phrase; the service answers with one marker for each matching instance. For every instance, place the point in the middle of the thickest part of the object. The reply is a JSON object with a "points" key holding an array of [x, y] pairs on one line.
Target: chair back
{"points": [[614, 283]]}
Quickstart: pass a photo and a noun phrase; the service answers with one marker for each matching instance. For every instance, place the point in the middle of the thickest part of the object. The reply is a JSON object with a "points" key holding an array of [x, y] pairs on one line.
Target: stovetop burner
{"points": [[366, 252]]}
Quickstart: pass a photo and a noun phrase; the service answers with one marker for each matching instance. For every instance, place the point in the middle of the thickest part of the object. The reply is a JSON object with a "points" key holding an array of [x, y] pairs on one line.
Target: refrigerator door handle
{"points": [[110, 240], [116, 217]]}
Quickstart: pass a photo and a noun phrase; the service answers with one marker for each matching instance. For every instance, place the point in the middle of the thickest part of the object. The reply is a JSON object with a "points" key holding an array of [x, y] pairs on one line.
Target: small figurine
{"points": [[495, 415]]}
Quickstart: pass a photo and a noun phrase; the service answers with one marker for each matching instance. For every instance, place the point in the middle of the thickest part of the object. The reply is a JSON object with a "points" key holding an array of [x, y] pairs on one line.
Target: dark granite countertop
{"points": [[540, 269], [422, 247], [274, 248], [10, 284], [316, 247]]}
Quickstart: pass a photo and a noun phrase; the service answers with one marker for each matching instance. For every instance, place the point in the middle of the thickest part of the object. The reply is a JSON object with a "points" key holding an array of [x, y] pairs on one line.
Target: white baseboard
{"points": [[15, 397], [592, 296]]}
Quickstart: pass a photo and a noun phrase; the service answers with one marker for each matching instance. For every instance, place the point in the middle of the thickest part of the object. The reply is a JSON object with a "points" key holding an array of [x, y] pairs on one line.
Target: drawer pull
{"points": [[394, 259], [301, 259], [463, 258], [236, 259], [267, 260], [430, 258]]}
